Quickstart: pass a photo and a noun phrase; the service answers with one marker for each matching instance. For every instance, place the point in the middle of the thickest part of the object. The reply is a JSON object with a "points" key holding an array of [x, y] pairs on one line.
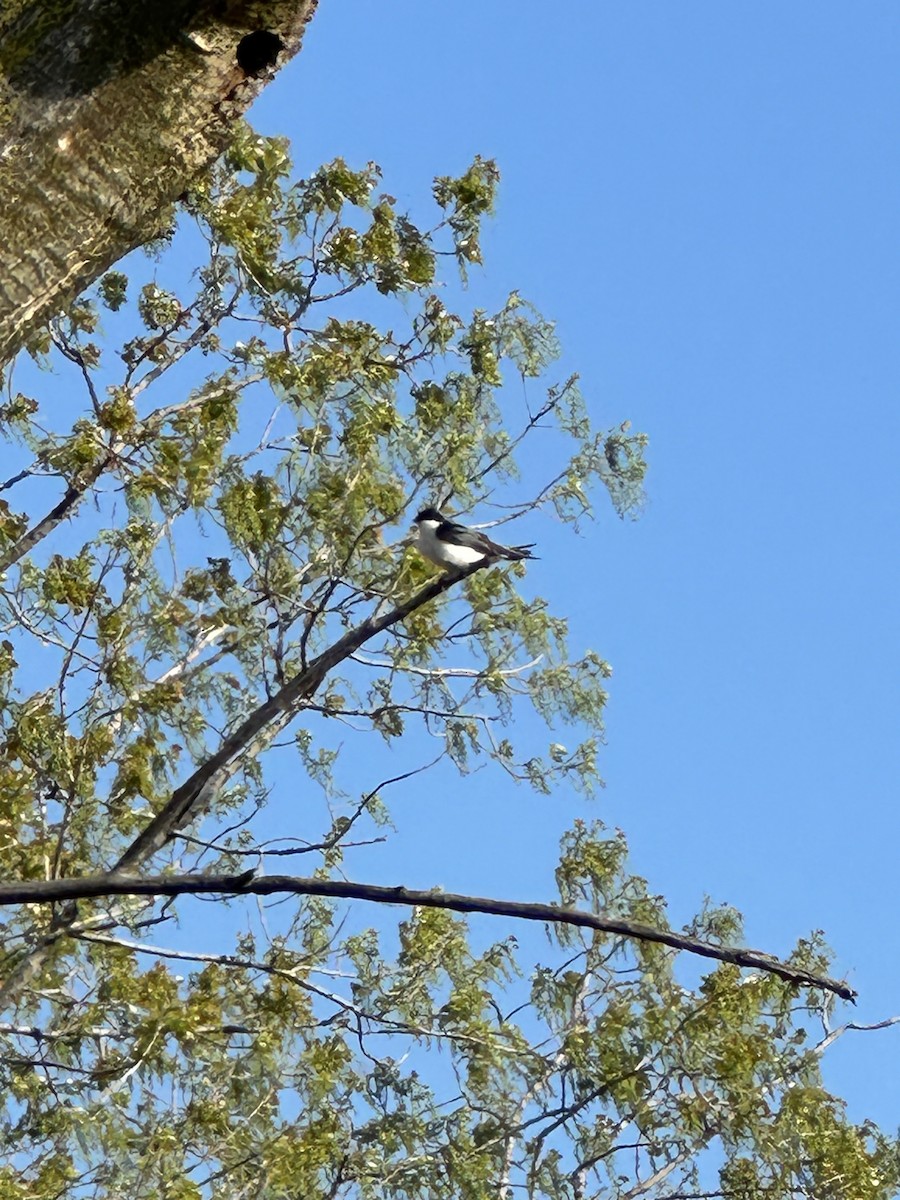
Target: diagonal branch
{"points": [[77, 491], [73, 496], [658, 1176], [198, 791], [193, 796], [249, 884]]}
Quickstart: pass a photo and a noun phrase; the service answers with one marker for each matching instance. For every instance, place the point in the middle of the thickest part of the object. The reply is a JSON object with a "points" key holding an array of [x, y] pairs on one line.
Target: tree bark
{"points": [[108, 109]]}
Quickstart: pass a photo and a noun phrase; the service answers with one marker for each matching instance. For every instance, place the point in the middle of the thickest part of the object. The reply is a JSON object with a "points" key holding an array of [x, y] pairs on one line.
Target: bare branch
{"points": [[658, 1176], [74, 494], [444, 672], [18, 477], [832, 1037], [248, 884]]}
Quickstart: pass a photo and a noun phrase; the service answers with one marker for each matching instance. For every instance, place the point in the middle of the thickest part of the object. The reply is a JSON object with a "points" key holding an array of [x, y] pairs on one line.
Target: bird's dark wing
{"points": [[461, 535]]}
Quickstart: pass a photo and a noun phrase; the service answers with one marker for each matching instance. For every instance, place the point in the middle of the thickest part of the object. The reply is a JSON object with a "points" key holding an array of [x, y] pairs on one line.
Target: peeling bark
{"points": [[108, 109]]}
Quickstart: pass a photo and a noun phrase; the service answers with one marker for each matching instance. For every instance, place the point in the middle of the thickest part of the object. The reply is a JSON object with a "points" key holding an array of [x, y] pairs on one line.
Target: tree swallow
{"points": [[455, 546]]}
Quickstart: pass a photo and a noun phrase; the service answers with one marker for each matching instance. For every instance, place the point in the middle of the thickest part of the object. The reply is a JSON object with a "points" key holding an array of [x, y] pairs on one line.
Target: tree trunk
{"points": [[108, 108]]}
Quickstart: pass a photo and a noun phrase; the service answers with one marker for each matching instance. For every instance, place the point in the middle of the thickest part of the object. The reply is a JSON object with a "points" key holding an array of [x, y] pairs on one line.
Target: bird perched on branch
{"points": [[455, 546]]}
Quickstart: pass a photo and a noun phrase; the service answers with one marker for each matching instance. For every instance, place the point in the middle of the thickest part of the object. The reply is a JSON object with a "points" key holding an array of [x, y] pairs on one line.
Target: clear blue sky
{"points": [[706, 199]]}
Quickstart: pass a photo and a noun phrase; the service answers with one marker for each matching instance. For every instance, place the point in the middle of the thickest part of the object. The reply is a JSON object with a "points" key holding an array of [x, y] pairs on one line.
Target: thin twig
{"points": [[444, 672], [822, 1046]]}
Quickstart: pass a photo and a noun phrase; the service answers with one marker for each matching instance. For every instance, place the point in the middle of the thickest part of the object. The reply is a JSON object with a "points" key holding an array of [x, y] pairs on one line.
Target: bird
{"points": [[456, 546]]}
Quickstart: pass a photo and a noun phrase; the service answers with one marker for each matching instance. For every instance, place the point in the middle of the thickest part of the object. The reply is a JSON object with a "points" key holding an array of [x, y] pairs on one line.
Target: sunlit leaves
{"points": [[69, 581], [253, 511], [113, 289], [479, 343], [12, 525], [334, 185], [468, 199], [157, 307], [526, 338]]}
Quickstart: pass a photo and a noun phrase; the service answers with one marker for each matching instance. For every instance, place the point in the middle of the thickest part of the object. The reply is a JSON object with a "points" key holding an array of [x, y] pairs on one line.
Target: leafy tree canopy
{"points": [[207, 576]]}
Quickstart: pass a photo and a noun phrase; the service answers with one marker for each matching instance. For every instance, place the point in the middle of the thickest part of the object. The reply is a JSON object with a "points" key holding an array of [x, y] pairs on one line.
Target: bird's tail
{"points": [[518, 552]]}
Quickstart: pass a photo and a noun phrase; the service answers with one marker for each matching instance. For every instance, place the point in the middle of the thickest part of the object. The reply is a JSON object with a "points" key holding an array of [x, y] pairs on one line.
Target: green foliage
{"points": [[226, 494], [113, 288], [468, 199]]}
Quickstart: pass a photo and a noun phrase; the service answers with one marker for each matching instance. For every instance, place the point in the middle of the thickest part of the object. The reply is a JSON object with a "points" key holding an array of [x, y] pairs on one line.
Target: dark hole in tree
{"points": [[258, 50]]}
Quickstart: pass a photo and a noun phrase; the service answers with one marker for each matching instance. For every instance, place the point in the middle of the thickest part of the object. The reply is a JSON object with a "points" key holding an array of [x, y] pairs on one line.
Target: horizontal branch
{"points": [[443, 672], [852, 1026], [249, 884]]}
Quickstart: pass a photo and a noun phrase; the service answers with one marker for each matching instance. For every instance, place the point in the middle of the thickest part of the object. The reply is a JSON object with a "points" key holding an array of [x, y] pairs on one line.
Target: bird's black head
{"points": [[429, 514]]}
